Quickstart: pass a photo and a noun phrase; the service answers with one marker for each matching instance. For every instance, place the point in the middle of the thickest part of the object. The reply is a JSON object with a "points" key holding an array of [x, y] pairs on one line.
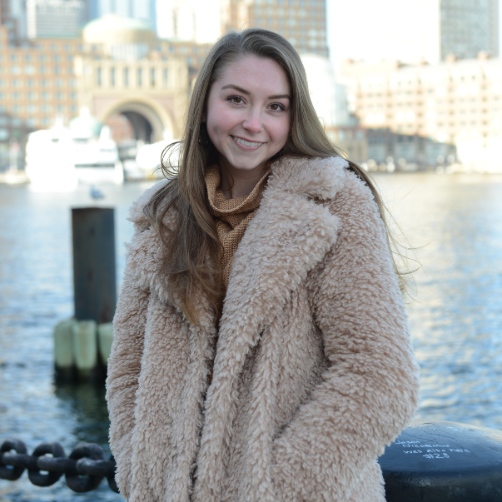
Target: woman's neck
{"points": [[237, 183]]}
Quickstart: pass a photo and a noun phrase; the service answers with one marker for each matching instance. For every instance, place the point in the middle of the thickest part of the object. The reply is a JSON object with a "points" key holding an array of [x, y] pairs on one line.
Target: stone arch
{"points": [[148, 118]]}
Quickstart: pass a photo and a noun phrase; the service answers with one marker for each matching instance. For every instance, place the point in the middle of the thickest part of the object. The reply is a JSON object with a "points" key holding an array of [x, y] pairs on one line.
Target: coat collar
{"points": [[314, 178], [291, 231]]}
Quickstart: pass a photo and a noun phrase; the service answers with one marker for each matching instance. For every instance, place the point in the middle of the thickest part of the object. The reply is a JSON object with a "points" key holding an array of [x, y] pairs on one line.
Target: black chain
{"points": [[84, 468]]}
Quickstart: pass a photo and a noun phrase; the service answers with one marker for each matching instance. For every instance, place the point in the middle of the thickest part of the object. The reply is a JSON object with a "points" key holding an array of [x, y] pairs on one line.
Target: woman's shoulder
{"points": [[315, 177], [326, 179], [136, 214]]}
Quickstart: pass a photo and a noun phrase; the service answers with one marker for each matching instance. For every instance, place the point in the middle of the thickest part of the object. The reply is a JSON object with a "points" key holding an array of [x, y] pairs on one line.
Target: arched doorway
{"points": [[141, 131], [130, 126], [136, 119]]}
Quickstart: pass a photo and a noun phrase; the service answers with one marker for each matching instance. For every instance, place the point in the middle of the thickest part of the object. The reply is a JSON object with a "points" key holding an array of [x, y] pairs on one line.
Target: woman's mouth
{"points": [[246, 143]]}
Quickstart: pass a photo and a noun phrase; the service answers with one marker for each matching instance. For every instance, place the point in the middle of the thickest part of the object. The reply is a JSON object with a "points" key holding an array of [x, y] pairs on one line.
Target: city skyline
{"points": [[360, 29]]}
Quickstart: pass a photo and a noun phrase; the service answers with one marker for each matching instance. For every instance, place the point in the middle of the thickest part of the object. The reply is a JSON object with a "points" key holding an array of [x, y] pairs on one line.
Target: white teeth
{"points": [[249, 144]]}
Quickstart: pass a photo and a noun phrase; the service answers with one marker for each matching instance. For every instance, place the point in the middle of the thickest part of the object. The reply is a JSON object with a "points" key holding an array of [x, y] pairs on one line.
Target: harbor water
{"points": [[451, 226]]}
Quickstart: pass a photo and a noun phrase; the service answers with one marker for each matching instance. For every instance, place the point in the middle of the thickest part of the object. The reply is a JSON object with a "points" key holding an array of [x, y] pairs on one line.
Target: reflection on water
{"points": [[454, 222], [85, 403]]}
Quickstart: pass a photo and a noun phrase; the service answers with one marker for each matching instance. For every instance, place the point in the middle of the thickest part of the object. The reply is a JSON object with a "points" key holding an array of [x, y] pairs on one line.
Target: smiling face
{"points": [[248, 115]]}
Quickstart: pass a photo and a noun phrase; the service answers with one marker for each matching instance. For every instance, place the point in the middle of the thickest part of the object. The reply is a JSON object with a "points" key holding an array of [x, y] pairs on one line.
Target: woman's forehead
{"points": [[249, 70]]}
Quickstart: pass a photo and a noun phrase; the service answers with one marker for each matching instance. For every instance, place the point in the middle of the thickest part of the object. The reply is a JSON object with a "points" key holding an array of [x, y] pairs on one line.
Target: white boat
{"points": [[49, 160], [60, 157], [97, 161]]}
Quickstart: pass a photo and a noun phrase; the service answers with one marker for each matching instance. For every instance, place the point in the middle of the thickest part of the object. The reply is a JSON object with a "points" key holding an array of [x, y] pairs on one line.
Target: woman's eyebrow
{"points": [[236, 87], [244, 91]]}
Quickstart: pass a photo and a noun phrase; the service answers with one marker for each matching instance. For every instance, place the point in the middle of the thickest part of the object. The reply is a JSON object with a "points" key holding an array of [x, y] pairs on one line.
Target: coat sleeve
{"points": [[370, 389], [123, 371]]}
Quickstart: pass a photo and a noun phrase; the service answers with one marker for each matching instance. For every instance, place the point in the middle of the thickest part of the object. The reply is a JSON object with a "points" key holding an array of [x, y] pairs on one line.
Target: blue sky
{"points": [[368, 29]]}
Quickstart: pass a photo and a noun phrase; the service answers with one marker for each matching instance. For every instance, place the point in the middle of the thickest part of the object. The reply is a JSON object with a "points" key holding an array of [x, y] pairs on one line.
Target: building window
{"points": [[99, 76], [139, 77], [152, 77], [112, 76], [126, 77]]}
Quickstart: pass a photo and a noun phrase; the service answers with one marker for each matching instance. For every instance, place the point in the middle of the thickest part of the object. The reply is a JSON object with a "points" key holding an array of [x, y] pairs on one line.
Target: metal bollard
{"points": [[94, 276], [444, 462]]}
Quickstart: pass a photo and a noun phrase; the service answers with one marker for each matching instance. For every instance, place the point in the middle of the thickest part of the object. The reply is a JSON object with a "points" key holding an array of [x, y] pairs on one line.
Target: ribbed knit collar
{"points": [[232, 216], [232, 210]]}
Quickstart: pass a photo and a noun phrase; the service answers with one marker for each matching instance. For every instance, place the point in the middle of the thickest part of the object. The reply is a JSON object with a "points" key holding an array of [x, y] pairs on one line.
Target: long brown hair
{"points": [[191, 245]]}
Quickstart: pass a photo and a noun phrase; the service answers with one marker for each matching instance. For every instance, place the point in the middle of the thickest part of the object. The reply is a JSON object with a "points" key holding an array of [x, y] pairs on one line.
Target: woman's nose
{"points": [[253, 122]]}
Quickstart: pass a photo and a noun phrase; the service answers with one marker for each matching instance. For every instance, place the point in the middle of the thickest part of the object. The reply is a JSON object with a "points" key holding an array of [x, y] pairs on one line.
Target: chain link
{"points": [[84, 468]]}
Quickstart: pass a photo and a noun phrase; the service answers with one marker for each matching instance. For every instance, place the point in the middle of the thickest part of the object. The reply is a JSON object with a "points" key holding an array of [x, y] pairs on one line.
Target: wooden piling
{"points": [[94, 276], [85, 349], [82, 344], [63, 350]]}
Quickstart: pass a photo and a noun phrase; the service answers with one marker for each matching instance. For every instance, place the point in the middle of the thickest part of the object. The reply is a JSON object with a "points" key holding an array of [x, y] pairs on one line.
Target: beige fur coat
{"points": [[313, 373]]}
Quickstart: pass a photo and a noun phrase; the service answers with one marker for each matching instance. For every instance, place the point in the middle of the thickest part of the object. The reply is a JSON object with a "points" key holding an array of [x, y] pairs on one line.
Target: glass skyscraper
{"points": [[468, 27]]}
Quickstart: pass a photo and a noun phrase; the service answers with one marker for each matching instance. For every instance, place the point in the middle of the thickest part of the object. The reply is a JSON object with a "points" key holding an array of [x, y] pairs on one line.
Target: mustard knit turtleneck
{"points": [[232, 216]]}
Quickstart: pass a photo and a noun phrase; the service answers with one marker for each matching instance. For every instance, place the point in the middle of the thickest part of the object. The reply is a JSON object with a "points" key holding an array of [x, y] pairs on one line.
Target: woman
{"points": [[261, 349]]}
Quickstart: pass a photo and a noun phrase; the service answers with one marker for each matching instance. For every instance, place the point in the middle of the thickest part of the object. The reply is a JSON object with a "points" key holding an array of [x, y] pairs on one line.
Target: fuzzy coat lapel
{"points": [[288, 237]]}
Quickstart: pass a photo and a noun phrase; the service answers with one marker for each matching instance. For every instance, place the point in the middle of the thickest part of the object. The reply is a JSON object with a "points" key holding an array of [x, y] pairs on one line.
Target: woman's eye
{"points": [[235, 99], [277, 107]]}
